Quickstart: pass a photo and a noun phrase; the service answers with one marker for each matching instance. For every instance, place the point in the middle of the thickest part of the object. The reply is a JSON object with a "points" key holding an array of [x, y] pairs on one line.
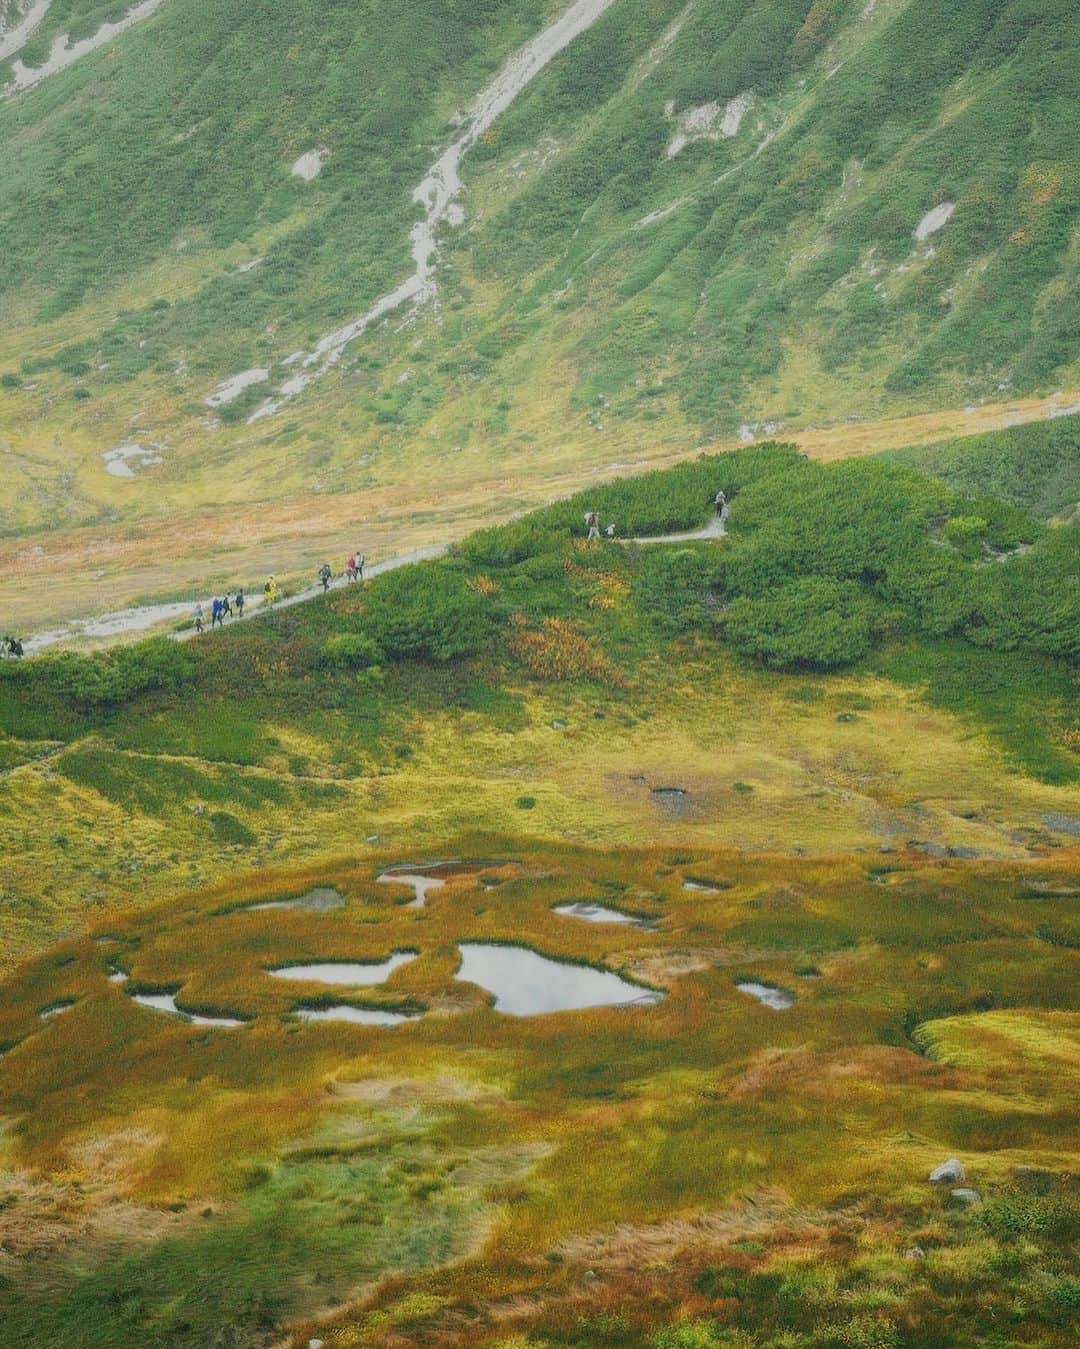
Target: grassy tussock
{"points": [[607, 1120]]}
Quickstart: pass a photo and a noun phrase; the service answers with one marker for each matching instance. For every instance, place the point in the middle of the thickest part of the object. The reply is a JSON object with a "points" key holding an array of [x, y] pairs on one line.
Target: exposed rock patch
{"points": [[708, 122]]}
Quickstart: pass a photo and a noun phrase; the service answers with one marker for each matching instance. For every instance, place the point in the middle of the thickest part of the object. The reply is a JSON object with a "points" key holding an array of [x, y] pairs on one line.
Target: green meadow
{"points": [[561, 943], [845, 729]]}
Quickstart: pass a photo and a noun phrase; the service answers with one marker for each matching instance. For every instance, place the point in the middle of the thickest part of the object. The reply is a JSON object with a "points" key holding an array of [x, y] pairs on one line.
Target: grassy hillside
{"points": [[604, 299], [787, 679], [828, 754], [1035, 467]]}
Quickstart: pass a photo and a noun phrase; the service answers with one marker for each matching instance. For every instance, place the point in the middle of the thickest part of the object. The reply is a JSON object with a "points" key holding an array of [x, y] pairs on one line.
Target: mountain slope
{"points": [[698, 217]]}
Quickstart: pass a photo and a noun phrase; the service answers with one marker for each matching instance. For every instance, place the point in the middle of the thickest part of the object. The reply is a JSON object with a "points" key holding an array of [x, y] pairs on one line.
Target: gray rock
{"points": [[1063, 824], [915, 1253], [966, 1196], [950, 1172]]}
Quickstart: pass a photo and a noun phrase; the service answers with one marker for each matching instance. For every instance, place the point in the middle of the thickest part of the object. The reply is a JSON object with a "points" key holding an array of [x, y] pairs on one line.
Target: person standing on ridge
{"points": [[592, 525]]}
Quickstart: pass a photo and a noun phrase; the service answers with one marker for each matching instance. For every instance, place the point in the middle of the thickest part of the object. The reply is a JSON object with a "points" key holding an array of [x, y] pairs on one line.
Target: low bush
{"points": [[427, 613], [812, 624], [349, 651], [111, 678]]}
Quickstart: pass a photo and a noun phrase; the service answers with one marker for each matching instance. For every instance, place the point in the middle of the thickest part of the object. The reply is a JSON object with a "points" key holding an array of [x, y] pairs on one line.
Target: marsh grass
{"points": [[643, 1113]]}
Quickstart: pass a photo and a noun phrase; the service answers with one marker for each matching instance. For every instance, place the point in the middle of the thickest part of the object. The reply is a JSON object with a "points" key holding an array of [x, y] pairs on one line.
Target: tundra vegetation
{"points": [[847, 728]]}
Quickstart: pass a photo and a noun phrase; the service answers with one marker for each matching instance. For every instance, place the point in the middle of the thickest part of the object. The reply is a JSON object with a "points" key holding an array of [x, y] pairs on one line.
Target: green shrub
{"points": [[427, 613], [681, 587], [349, 651], [966, 532], [114, 677], [812, 624], [505, 545], [228, 829]]}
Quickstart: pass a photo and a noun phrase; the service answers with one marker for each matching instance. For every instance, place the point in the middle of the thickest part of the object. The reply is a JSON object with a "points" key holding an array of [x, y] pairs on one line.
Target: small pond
{"points": [[353, 973], [779, 999], [597, 913], [527, 984], [166, 1002], [361, 1016], [420, 885], [320, 900]]}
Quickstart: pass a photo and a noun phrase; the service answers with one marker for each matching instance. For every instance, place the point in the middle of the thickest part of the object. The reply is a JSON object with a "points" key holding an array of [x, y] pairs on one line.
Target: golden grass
{"points": [[615, 1139]]}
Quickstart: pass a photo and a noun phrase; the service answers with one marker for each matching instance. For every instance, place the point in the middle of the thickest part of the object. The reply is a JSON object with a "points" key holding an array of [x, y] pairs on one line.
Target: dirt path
{"points": [[438, 192], [715, 529], [145, 617], [60, 575]]}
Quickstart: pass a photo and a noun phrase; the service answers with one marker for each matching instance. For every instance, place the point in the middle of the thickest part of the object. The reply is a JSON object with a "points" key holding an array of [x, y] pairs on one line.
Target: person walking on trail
{"points": [[12, 647], [215, 613], [226, 607], [270, 590], [324, 576], [359, 566], [350, 568], [720, 502], [239, 602], [610, 531], [592, 525], [200, 622]]}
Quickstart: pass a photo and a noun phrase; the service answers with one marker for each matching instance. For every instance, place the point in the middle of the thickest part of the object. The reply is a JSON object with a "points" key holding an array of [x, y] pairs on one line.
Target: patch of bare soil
{"points": [[636, 1245], [407, 1091]]}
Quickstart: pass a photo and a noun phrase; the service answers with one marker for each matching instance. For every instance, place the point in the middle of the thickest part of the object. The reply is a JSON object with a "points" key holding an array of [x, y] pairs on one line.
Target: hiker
{"points": [[324, 576], [11, 646], [610, 531], [720, 502], [239, 602], [226, 607], [350, 568], [592, 525], [270, 590], [359, 566], [215, 613], [200, 622]]}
